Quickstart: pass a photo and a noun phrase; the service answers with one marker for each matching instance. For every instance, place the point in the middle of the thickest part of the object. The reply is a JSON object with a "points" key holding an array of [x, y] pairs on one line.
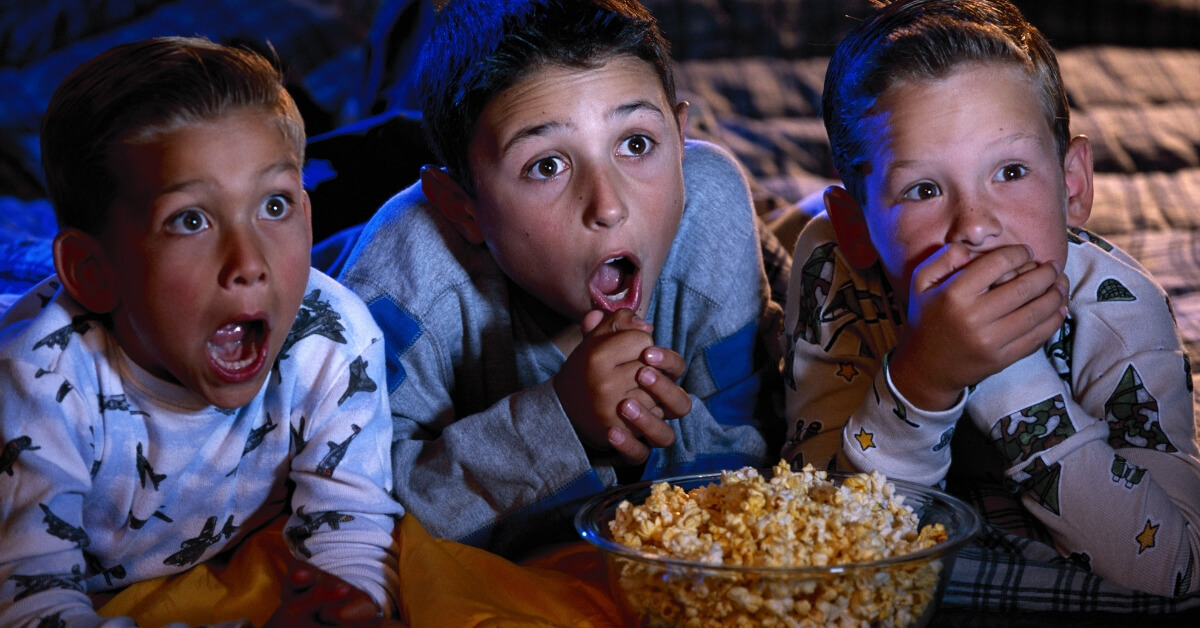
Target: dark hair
{"points": [[923, 40], [477, 48], [133, 93]]}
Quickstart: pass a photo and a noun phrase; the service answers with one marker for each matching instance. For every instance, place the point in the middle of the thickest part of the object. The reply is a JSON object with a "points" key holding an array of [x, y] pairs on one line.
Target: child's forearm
{"points": [[1116, 492], [343, 514], [1114, 510], [893, 436]]}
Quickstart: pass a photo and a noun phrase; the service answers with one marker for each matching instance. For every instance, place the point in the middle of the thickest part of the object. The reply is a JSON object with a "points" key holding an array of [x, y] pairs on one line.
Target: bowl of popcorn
{"points": [[777, 547]]}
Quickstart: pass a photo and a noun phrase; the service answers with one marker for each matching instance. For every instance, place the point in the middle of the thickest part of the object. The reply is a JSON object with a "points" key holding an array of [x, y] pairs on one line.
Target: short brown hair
{"points": [[924, 40], [133, 93]]}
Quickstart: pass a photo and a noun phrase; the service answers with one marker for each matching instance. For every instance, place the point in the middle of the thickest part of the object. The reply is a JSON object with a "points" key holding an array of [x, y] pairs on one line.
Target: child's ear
{"points": [[306, 207], [84, 270], [449, 198], [681, 116], [850, 226], [1077, 168]]}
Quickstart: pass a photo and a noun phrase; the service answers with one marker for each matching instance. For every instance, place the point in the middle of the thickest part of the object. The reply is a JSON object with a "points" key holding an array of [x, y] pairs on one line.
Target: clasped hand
{"points": [[618, 388]]}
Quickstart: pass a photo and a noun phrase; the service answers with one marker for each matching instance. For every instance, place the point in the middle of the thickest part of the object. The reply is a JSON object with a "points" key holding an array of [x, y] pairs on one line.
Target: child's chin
{"points": [[230, 396]]}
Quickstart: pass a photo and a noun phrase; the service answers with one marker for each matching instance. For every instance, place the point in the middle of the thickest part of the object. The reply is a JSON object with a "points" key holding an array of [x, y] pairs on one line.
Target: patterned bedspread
{"points": [[753, 71]]}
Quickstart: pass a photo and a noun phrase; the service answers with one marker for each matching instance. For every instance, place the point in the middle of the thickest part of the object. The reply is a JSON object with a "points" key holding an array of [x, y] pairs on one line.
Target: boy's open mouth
{"points": [[616, 284], [237, 350]]}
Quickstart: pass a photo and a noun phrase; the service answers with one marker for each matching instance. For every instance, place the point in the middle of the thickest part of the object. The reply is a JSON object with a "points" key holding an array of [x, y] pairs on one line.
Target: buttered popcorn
{"points": [[795, 519]]}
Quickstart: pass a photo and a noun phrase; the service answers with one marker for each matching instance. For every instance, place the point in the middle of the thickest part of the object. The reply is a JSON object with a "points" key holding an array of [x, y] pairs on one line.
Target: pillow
{"points": [[27, 231]]}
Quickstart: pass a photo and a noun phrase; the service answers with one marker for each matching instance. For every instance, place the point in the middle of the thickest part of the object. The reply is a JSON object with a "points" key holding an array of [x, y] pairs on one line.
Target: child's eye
{"points": [[187, 221], [636, 145], [276, 206], [1012, 172], [546, 168], [922, 191]]}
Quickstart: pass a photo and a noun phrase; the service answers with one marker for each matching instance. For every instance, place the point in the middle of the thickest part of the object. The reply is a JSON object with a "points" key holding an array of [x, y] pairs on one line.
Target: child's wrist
{"points": [[918, 394]]}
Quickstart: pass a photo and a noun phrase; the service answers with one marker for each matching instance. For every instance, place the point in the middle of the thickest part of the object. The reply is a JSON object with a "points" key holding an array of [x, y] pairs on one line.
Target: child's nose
{"points": [[974, 223], [605, 205], [245, 263]]}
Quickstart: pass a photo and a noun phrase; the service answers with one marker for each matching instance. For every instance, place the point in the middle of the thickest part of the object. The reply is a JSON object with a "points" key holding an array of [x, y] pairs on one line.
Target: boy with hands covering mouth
{"points": [[949, 293]]}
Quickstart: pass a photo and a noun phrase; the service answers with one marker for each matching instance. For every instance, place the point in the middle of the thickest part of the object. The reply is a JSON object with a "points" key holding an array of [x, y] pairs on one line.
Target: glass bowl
{"points": [[654, 590]]}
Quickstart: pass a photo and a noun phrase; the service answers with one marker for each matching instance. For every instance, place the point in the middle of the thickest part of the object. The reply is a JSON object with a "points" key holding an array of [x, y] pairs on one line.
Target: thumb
{"points": [[591, 321]]}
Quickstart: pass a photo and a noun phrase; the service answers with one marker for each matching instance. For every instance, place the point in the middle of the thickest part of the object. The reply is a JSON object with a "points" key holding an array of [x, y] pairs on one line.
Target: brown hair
{"points": [[922, 40], [133, 93]]}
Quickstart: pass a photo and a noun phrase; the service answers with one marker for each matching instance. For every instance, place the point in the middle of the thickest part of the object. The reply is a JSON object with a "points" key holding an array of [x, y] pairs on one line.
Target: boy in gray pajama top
{"points": [[577, 297]]}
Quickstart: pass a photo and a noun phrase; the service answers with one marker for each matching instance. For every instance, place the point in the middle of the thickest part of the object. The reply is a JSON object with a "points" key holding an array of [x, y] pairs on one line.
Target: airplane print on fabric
{"points": [[30, 585], [12, 450], [61, 337], [337, 451], [193, 549], [315, 318], [298, 534], [255, 439], [56, 526], [359, 380]]}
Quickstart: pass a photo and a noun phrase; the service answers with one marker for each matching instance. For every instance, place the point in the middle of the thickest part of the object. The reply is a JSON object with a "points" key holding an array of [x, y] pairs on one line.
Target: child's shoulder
{"points": [[411, 254], [717, 200], [817, 246], [707, 164], [1115, 302], [330, 315], [1102, 272], [716, 251], [44, 322], [52, 347]]}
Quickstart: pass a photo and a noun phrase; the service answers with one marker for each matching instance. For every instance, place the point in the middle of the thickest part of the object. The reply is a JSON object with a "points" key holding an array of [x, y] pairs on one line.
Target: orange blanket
{"points": [[443, 584]]}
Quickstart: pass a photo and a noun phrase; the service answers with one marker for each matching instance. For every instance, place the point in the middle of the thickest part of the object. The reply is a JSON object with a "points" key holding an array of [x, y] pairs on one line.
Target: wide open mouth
{"points": [[237, 350], [615, 284]]}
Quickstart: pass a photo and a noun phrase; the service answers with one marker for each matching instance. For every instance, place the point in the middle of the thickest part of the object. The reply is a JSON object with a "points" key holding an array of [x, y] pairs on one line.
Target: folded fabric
{"points": [[443, 584]]}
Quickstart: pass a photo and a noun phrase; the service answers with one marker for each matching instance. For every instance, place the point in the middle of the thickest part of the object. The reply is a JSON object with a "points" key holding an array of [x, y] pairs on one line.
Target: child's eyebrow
{"points": [[620, 111], [1005, 141], [629, 109], [282, 166]]}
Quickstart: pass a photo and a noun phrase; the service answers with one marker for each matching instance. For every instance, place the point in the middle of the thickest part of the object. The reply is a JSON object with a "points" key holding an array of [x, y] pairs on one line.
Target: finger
{"points": [[333, 598], [359, 608], [674, 400], [668, 362], [301, 578], [627, 446], [590, 321], [940, 266], [986, 270], [626, 319], [623, 347], [1028, 266], [647, 423], [976, 272], [1026, 288], [1035, 322], [621, 323]]}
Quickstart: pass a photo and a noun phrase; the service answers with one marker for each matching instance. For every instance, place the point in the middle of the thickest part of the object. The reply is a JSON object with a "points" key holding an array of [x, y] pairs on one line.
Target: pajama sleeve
{"points": [[1099, 434], [842, 411], [47, 461], [342, 511]]}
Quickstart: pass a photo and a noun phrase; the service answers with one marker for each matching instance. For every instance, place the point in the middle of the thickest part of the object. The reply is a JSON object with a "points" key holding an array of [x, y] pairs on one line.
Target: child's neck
{"points": [[564, 333]]}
